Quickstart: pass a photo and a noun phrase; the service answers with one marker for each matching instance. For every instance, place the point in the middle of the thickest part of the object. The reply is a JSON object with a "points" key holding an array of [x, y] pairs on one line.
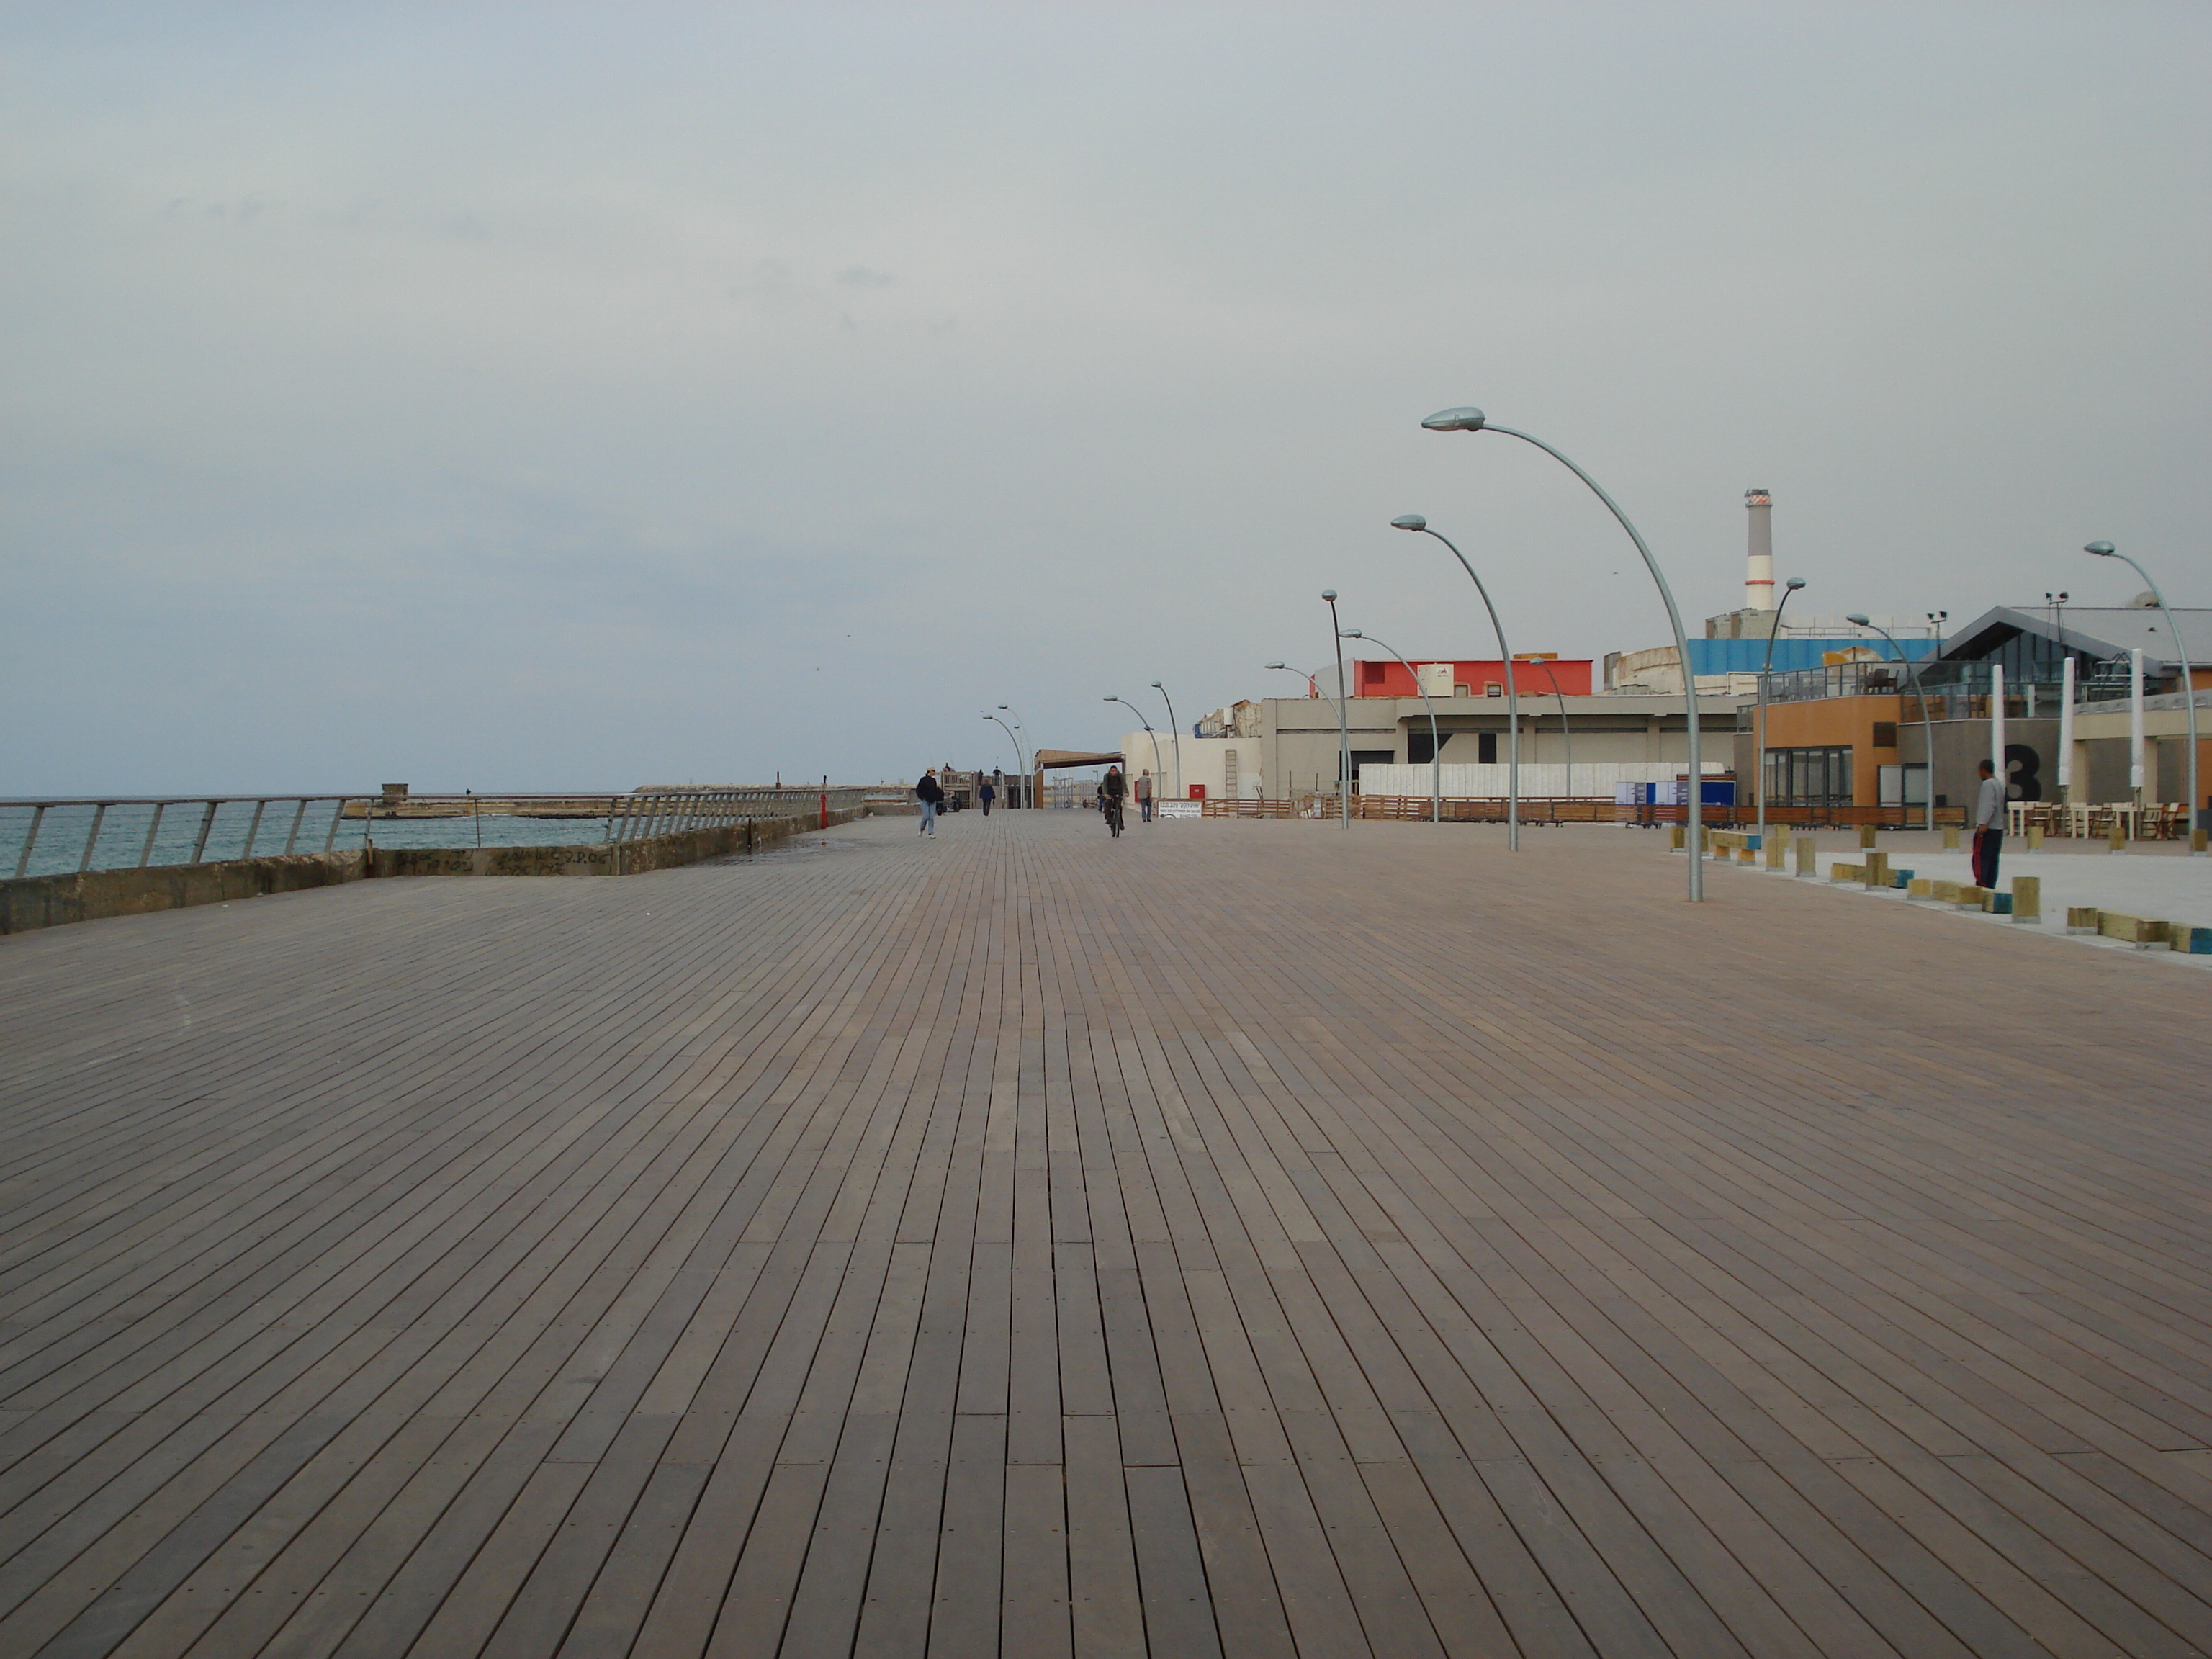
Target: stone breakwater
{"points": [[35, 901]]}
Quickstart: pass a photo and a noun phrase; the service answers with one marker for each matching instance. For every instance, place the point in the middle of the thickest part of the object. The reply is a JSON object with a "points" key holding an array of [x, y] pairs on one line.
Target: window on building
{"points": [[1418, 751], [1809, 777], [1486, 748], [1904, 785], [1492, 688], [1461, 689]]}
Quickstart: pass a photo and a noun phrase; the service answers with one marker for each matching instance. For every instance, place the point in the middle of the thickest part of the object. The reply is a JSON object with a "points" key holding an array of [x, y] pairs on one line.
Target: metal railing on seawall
{"points": [[58, 837]]}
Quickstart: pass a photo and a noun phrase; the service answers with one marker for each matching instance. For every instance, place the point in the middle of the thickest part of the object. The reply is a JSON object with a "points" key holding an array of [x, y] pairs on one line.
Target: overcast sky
{"points": [[527, 396]]}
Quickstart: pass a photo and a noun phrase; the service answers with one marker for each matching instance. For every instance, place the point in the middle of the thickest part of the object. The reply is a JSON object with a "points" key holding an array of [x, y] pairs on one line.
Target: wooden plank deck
{"points": [[1244, 1238]]}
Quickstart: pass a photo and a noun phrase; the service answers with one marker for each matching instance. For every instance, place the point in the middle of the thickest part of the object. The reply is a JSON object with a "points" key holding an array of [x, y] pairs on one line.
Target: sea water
{"points": [[122, 839]]}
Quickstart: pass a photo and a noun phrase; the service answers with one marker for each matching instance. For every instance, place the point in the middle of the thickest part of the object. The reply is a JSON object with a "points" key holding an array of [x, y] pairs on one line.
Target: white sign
{"points": [[1179, 809]]}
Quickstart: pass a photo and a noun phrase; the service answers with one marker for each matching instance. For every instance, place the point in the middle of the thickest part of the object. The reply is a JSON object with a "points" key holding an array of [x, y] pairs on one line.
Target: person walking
{"points": [[1989, 827], [986, 794], [1113, 788], [930, 794], [1144, 793]]}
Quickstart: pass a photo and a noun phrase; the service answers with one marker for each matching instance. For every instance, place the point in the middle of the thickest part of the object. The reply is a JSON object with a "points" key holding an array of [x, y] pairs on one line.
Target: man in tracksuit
{"points": [[1989, 827]]}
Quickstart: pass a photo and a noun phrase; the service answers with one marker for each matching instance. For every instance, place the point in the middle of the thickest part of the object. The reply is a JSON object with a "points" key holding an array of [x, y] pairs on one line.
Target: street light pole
{"points": [[1416, 522], [1313, 691], [1758, 743], [1435, 742], [1177, 730], [1149, 732], [1015, 741], [2106, 551], [1927, 725], [1028, 778], [1343, 717], [1566, 736], [1474, 420]]}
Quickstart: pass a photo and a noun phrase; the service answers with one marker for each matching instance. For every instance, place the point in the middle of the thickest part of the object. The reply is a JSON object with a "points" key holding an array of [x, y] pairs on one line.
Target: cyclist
{"points": [[1112, 791]]}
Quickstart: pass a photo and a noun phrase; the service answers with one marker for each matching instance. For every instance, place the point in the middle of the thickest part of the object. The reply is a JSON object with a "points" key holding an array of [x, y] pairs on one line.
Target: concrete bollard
{"points": [[1877, 869], [1971, 898], [1866, 835], [1776, 845], [1950, 837], [2082, 918], [2027, 898], [2035, 838], [2115, 841], [1674, 838], [1807, 866], [1920, 888]]}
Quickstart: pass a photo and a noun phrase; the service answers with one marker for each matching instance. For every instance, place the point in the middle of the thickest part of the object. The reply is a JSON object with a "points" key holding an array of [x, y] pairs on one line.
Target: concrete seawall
{"points": [[35, 901]]}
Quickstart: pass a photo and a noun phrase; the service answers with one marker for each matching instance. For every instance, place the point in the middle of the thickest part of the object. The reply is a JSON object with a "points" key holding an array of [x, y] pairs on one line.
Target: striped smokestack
{"points": [[1758, 565]]}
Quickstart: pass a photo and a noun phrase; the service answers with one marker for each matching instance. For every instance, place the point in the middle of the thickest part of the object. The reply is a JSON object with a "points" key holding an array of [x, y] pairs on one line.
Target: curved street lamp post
{"points": [[1414, 521], [1435, 742], [1177, 730], [1149, 732], [1313, 686], [1758, 744], [1474, 420], [1566, 736], [1028, 777], [2106, 551], [1343, 716], [1009, 731], [1927, 725]]}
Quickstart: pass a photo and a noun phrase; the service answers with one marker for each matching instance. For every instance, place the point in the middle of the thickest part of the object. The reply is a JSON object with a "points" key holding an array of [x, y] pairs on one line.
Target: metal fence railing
{"points": [[60, 835]]}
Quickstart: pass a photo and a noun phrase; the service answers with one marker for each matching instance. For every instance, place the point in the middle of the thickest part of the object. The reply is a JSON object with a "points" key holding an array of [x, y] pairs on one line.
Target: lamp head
{"points": [[1858, 621], [1352, 634], [2102, 550], [1329, 594], [1455, 420], [1157, 686], [1794, 583], [1271, 665], [1409, 521]]}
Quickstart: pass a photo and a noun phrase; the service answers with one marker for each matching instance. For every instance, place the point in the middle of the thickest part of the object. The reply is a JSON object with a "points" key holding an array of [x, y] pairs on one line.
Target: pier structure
{"points": [[1227, 1239]]}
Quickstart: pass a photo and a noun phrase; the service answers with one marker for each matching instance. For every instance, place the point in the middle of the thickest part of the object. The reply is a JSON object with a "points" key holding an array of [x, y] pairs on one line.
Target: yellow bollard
{"points": [[2027, 898], [1950, 837], [1866, 835], [1806, 865], [2035, 838]]}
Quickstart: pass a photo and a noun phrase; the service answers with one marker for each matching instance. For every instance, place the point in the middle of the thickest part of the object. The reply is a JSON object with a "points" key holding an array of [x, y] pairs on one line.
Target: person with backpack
{"points": [[930, 794], [1112, 790]]}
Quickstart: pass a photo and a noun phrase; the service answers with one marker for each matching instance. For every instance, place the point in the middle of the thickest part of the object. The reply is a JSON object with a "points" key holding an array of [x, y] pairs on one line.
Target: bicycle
{"points": [[1114, 815]]}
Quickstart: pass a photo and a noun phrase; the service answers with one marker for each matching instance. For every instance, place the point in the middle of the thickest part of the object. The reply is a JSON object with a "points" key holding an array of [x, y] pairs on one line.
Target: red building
{"points": [[1533, 677]]}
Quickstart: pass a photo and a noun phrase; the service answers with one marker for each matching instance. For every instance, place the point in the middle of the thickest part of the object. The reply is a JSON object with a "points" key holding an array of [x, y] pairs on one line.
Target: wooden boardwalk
{"points": [[1249, 1239]]}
